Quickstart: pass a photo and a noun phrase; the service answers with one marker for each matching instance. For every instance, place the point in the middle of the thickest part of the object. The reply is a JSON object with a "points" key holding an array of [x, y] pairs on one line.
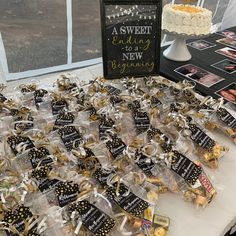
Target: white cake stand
{"points": [[178, 50]]}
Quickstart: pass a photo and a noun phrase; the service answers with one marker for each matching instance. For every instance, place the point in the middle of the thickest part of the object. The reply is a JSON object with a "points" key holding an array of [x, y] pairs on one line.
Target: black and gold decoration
{"points": [[144, 163], [66, 192], [93, 219], [39, 156], [201, 138], [141, 119], [19, 143], [127, 200], [44, 182], [185, 168], [227, 118], [102, 175], [105, 124], [38, 96], [58, 105], [64, 118], [116, 147], [70, 136], [16, 220]]}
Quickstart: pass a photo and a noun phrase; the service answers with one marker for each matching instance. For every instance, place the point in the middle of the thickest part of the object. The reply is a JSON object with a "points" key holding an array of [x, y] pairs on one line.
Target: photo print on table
{"points": [[228, 34], [131, 35], [199, 75], [228, 52], [226, 65], [228, 42], [201, 44], [228, 93]]}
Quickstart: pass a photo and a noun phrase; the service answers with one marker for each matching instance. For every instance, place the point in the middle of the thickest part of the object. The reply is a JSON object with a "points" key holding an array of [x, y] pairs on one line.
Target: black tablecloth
{"points": [[203, 59]]}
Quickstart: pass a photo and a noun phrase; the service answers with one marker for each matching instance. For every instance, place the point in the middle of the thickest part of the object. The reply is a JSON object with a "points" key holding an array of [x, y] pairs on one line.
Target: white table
{"points": [[186, 220]]}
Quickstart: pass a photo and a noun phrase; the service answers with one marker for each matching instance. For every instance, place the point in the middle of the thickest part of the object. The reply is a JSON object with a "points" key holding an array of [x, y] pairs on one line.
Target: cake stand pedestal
{"points": [[178, 50]]}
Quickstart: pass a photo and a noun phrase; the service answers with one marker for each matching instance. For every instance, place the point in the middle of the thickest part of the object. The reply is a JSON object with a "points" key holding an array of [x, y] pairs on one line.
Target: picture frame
{"points": [[127, 20]]}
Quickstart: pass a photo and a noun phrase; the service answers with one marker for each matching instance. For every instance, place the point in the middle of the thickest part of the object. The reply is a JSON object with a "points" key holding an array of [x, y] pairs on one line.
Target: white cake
{"points": [[186, 19]]}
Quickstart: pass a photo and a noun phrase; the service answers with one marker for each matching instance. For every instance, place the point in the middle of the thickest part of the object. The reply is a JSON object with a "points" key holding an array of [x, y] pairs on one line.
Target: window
{"points": [[34, 35], [86, 30], [40, 36]]}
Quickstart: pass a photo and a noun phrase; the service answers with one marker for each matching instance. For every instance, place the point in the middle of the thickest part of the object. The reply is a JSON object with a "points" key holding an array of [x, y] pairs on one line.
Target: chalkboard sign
{"points": [[131, 35]]}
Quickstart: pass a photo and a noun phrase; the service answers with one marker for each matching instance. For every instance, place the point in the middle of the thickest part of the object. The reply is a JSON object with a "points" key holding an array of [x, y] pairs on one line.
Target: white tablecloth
{"points": [[186, 220]]}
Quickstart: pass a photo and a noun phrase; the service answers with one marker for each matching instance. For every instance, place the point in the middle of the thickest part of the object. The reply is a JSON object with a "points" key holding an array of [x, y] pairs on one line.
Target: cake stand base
{"points": [[178, 50]]}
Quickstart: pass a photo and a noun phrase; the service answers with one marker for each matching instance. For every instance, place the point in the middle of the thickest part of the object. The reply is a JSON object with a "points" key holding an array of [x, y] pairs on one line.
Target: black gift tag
{"points": [[227, 118], [88, 152], [162, 87], [95, 220], [70, 86], [144, 163], [18, 219], [189, 95], [155, 102], [141, 121], [66, 192], [202, 106], [19, 144], [18, 117], [24, 125], [185, 168], [70, 137], [14, 112], [166, 147], [201, 138], [81, 100], [102, 175], [64, 118], [112, 90], [175, 91], [58, 106], [45, 184], [38, 96], [152, 132], [105, 124], [39, 155], [80, 97], [76, 92], [174, 107], [41, 172], [116, 147], [127, 200], [2, 98], [116, 100], [134, 106], [92, 113]]}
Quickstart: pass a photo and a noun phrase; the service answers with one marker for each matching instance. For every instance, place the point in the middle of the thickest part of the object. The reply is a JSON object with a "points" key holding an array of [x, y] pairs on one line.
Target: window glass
{"points": [[86, 30], [218, 8], [34, 33]]}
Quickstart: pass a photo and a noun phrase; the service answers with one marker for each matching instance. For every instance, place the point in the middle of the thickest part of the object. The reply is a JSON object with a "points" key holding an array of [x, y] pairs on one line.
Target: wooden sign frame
{"points": [[157, 40]]}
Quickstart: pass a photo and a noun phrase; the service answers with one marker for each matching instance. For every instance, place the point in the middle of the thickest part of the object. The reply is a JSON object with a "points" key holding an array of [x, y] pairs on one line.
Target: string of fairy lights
{"points": [[132, 11]]}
